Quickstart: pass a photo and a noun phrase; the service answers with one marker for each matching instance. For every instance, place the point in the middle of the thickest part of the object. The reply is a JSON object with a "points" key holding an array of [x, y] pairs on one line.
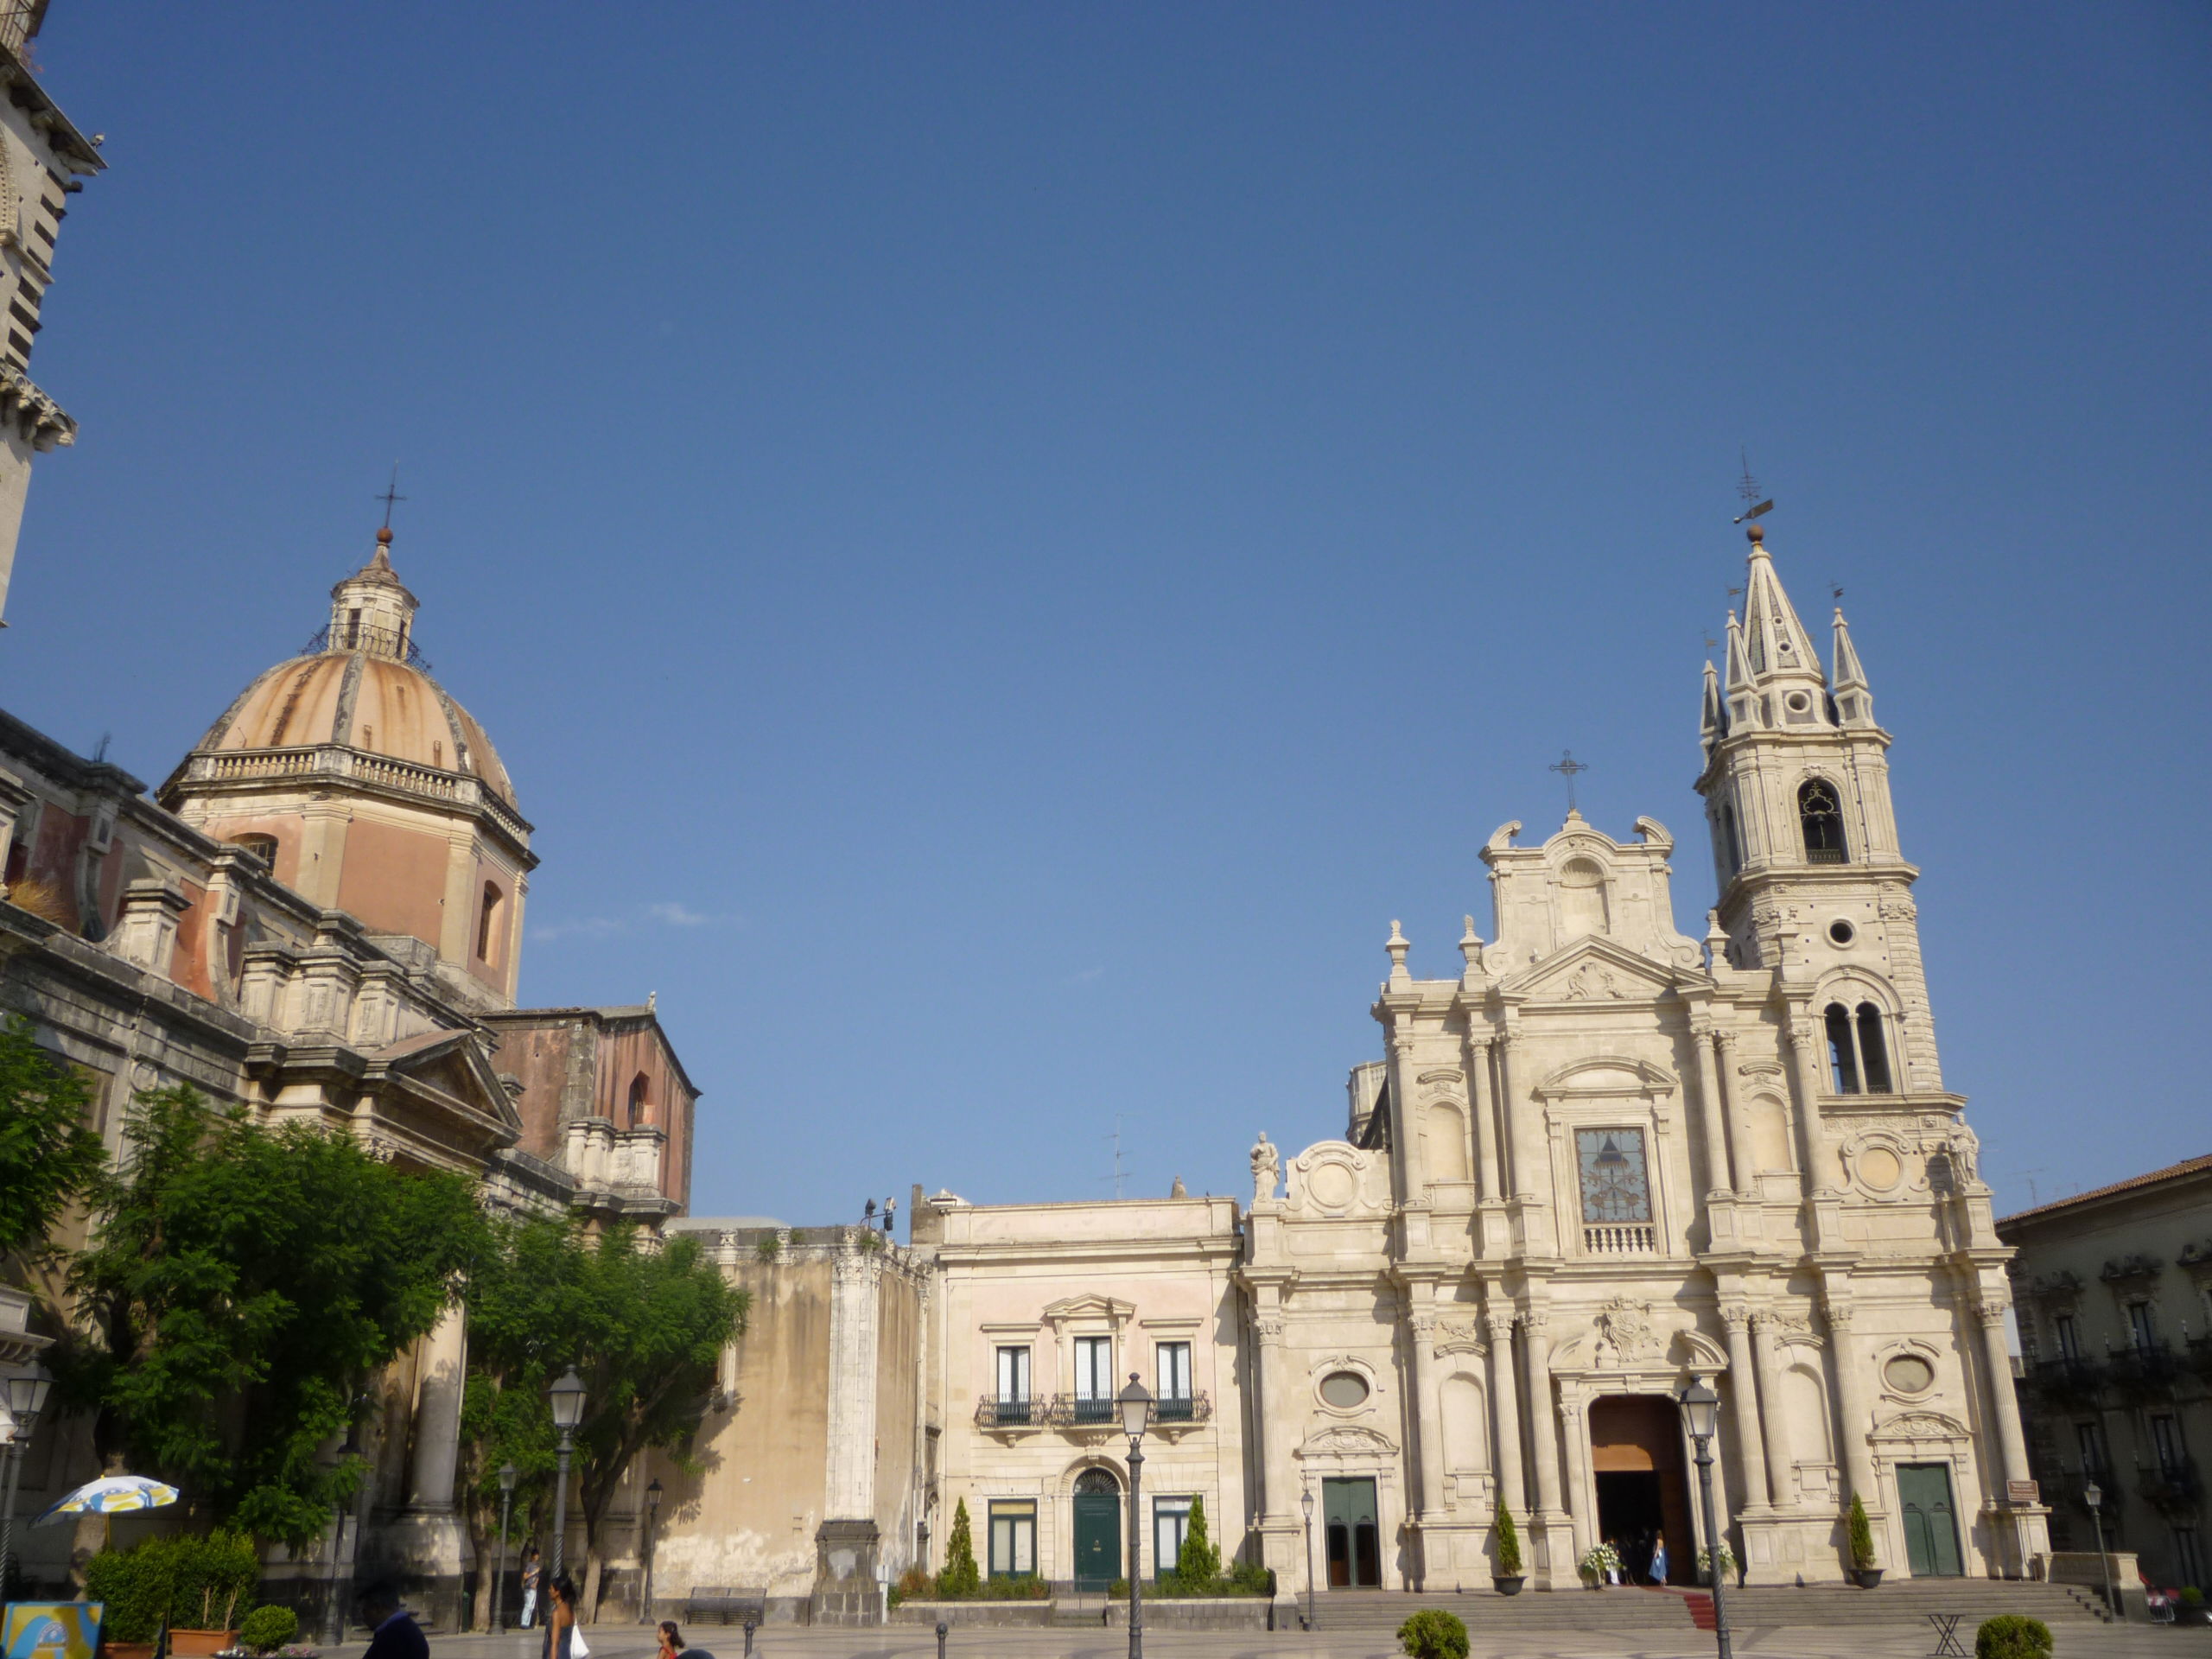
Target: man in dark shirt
{"points": [[393, 1632]]}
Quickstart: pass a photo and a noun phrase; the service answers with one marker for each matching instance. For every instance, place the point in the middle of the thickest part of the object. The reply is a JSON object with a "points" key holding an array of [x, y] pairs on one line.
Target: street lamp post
{"points": [[1305, 1502], [1137, 1411], [2094, 1496], [1701, 1415], [508, 1475], [652, 1514], [567, 1398], [26, 1392]]}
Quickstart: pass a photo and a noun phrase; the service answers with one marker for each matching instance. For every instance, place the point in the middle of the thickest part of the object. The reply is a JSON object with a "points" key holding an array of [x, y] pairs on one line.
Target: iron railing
{"points": [[377, 642], [2067, 1380], [1070, 1411], [2148, 1368], [2171, 1488]]}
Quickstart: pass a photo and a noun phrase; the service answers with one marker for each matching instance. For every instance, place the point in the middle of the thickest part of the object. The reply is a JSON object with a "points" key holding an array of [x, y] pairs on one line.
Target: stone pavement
{"points": [[913, 1641]]}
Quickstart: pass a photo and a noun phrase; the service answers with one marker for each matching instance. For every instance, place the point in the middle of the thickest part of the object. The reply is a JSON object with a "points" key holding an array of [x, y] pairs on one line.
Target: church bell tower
{"points": [[1813, 882]]}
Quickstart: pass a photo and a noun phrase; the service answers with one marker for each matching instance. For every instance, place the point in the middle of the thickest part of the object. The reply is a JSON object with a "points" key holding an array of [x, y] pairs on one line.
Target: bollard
{"points": [[749, 1627], [940, 1638]]}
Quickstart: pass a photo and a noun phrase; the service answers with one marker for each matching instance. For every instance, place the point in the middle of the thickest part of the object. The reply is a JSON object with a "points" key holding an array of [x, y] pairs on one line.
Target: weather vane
{"points": [[1748, 487], [390, 494], [1568, 767]]}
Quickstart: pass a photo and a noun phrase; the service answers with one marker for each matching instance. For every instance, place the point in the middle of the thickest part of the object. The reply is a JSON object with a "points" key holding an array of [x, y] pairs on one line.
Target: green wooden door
{"points": [[1350, 1535], [1931, 1530], [1098, 1539]]}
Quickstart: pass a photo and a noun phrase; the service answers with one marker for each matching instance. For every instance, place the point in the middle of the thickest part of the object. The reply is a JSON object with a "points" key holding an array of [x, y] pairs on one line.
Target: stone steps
{"points": [[1381, 1612]]}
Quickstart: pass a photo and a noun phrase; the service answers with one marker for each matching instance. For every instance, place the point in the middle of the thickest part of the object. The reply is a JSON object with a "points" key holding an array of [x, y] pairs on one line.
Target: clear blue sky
{"points": [[1002, 545]]}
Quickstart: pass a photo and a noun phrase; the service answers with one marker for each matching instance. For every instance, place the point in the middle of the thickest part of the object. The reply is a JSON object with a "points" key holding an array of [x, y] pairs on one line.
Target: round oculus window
{"points": [[1344, 1389], [1908, 1374], [1842, 933], [1799, 702]]}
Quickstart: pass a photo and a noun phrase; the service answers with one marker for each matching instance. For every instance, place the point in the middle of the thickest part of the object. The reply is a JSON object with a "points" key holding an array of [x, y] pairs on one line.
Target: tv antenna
{"points": [[1118, 1175], [1748, 487]]}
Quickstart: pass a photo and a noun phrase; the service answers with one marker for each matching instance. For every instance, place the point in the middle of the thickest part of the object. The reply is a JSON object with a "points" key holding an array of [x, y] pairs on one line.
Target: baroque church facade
{"points": [[1606, 1161]]}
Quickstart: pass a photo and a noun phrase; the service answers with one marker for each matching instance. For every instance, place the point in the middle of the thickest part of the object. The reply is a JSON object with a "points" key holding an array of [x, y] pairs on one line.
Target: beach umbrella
{"points": [[112, 1496]]}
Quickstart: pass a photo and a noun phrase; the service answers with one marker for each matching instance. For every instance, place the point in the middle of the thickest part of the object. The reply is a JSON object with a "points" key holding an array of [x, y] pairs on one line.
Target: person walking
{"points": [[562, 1638], [1658, 1571], [530, 1571], [393, 1633]]}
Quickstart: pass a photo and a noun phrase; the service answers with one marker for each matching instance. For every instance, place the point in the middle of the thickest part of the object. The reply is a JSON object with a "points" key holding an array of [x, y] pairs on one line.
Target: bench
{"points": [[726, 1603]]}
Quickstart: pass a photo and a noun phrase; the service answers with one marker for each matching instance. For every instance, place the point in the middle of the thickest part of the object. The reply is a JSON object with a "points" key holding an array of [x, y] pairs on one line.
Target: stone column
{"points": [[1279, 1475], [1482, 1110], [1573, 1422], [1855, 1421], [1543, 1423], [1429, 1413], [2004, 1403], [1505, 1405], [1717, 1176], [437, 1415], [1744, 1405], [1743, 1150], [1781, 1474], [1804, 1072], [847, 1541]]}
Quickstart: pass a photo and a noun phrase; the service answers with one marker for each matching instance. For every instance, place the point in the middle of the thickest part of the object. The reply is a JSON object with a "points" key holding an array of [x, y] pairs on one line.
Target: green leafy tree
{"points": [[644, 1330], [961, 1577], [1862, 1535], [50, 1155], [1198, 1563], [241, 1287], [1509, 1543]]}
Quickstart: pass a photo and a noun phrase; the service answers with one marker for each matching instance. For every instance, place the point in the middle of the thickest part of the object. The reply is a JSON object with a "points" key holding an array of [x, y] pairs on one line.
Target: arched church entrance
{"points": [[1097, 1530], [1636, 1458]]}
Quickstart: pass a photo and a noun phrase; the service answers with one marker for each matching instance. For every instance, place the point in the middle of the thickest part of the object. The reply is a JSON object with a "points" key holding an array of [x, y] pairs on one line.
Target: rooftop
{"points": [[2133, 1184]]}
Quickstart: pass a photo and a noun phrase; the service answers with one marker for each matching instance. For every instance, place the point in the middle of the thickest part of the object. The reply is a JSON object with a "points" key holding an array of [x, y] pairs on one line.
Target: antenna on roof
{"points": [[1748, 487], [1118, 1176]]}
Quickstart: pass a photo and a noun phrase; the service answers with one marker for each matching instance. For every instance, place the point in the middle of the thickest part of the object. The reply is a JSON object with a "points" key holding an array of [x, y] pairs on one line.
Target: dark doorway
{"points": [[1097, 1530], [1931, 1530], [1354, 1539], [1636, 1455]]}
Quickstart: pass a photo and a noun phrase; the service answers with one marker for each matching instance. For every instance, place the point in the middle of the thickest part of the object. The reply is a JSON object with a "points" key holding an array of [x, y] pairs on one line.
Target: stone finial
{"points": [[1716, 941], [1470, 947], [1397, 945]]}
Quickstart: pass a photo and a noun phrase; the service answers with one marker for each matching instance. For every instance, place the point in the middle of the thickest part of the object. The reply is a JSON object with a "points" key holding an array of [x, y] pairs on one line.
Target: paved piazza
{"points": [[904, 1641]]}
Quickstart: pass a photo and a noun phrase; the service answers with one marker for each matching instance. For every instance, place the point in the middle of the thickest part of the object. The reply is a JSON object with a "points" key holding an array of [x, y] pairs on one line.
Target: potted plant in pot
{"points": [[197, 1586], [1507, 1579], [1599, 1564], [1705, 1563], [1864, 1572]]}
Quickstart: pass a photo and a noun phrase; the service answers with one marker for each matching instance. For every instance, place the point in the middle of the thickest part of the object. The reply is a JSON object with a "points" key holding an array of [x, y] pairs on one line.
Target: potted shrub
{"points": [[267, 1628], [1864, 1572], [2192, 1609], [2012, 1635], [1507, 1579], [197, 1586], [1705, 1563]]}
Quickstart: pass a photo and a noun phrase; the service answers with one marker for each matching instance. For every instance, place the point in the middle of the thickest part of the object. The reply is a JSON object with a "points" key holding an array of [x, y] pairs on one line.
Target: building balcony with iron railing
{"points": [[2144, 1368], [2171, 1487], [2068, 1379], [1083, 1412]]}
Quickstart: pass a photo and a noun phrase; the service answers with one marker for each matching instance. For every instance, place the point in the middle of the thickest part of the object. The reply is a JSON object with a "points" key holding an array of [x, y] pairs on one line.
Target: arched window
{"points": [[486, 939], [352, 629], [1820, 814], [1858, 1055], [638, 1107], [1873, 1055]]}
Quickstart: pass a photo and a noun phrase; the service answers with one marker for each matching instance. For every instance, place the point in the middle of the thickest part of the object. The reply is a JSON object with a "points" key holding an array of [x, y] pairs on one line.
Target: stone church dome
{"points": [[362, 685]]}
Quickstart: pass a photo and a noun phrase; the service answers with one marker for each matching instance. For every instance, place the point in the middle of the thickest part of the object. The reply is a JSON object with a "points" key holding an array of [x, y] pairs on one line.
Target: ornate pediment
{"points": [[1919, 1426], [1593, 969], [1606, 1074], [1089, 1306], [1348, 1441]]}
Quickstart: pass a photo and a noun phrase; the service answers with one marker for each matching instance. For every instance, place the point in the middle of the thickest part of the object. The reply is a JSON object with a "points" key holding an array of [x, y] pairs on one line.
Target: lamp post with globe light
{"points": [[2094, 1496], [26, 1392], [566, 1398], [1136, 1403], [508, 1475], [652, 1514], [1702, 1416]]}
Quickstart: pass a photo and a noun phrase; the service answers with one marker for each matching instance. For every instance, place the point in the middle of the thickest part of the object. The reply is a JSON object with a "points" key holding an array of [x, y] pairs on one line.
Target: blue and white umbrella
{"points": [[112, 1496]]}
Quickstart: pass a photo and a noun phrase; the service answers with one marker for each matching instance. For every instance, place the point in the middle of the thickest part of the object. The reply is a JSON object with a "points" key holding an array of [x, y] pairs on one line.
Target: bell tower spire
{"points": [[1813, 882]]}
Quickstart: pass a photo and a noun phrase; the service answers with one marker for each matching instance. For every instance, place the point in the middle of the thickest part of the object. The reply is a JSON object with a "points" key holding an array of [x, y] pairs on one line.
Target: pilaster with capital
{"points": [[1279, 1478], [1742, 1150], [1411, 1180], [1483, 1110], [1505, 1402], [1543, 1423], [1427, 1409], [1773, 1417], [1710, 1130], [1805, 1079], [1744, 1407], [1855, 1418]]}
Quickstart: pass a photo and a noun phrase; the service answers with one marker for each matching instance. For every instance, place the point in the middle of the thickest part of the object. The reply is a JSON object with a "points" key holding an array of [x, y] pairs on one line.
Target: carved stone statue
{"points": [[1266, 1170], [1177, 1191]]}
